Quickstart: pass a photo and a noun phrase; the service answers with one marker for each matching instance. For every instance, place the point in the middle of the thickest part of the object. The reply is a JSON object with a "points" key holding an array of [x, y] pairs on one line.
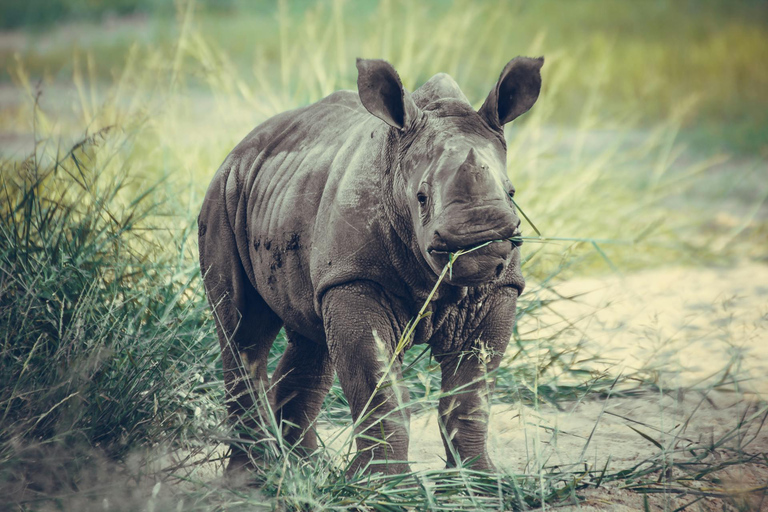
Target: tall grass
{"points": [[104, 340], [647, 58], [109, 359]]}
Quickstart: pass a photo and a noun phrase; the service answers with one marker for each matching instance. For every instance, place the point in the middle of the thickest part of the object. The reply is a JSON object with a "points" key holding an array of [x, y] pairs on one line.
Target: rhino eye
{"points": [[422, 198], [511, 193]]}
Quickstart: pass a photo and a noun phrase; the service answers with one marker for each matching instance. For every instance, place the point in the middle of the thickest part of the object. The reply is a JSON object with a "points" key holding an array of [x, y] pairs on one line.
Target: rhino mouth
{"points": [[485, 255], [434, 251], [441, 247]]}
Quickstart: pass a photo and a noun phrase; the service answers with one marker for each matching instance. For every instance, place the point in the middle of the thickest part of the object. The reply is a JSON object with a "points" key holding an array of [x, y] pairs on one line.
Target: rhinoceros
{"points": [[335, 221]]}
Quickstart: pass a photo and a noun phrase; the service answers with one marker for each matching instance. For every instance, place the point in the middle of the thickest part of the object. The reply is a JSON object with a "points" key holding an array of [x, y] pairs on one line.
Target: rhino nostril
{"points": [[499, 269], [437, 240]]}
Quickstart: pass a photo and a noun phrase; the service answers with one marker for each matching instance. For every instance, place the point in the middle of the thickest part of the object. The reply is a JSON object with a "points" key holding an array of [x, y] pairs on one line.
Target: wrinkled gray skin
{"points": [[335, 220]]}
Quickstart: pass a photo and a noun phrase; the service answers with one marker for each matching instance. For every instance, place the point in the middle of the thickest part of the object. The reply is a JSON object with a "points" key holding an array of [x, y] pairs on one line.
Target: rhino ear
{"points": [[515, 92], [382, 93]]}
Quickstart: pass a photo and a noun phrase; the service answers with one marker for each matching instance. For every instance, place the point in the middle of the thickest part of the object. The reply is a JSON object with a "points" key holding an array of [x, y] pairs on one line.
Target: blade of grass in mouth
{"points": [[525, 216]]}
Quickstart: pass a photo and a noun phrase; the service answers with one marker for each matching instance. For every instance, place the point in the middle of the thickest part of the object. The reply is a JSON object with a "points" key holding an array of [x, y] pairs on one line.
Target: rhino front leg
{"points": [[468, 382], [362, 333], [464, 412]]}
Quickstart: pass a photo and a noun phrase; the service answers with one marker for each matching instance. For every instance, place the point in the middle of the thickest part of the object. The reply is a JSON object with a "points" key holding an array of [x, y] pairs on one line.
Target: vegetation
{"points": [[645, 60], [111, 393]]}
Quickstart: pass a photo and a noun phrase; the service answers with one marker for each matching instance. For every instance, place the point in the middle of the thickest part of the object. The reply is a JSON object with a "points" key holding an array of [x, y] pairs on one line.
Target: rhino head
{"points": [[446, 184]]}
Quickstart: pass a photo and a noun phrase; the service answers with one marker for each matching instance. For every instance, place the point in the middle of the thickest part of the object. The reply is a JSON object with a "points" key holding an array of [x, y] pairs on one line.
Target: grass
{"points": [[111, 390], [95, 316], [646, 60]]}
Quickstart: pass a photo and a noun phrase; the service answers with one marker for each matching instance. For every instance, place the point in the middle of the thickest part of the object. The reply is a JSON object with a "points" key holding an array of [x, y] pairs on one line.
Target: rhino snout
{"points": [[490, 251]]}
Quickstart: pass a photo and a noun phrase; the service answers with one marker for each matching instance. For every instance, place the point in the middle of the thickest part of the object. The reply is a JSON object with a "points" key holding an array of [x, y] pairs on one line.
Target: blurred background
{"points": [[646, 59], [687, 76], [644, 164]]}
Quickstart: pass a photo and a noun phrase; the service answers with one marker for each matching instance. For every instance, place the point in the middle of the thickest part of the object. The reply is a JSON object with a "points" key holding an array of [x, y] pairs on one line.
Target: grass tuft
{"points": [[103, 345]]}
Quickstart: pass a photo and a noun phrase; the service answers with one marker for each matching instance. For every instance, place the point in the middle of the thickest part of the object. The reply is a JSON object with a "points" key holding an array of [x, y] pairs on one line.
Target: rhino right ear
{"points": [[515, 92], [383, 95]]}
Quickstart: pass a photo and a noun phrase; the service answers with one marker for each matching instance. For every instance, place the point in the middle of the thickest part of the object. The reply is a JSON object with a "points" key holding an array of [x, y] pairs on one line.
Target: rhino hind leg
{"points": [[244, 358], [246, 329], [300, 383]]}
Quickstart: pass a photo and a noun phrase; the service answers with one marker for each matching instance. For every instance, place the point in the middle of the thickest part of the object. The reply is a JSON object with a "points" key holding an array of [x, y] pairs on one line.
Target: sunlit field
{"points": [[638, 374]]}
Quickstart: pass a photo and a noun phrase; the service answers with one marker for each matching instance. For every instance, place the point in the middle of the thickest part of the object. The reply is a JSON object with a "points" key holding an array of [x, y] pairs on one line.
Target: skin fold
{"points": [[334, 220]]}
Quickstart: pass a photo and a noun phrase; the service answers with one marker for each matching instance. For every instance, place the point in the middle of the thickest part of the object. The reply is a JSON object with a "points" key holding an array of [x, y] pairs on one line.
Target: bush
{"points": [[103, 344]]}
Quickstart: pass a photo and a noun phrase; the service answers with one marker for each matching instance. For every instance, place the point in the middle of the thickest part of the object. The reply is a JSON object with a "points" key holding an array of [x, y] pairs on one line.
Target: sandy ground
{"points": [[692, 329], [685, 326]]}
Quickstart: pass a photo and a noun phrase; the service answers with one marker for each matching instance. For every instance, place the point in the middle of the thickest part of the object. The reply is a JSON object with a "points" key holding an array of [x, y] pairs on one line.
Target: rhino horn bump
{"points": [[471, 160]]}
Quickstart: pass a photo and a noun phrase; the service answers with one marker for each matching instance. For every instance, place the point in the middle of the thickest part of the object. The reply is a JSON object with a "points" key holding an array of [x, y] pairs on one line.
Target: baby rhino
{"points": [[334, 221]]}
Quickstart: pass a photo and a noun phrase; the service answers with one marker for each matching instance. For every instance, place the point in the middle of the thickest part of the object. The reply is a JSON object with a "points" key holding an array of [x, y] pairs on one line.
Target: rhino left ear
{"points": [[382, 93], [515, 92]]}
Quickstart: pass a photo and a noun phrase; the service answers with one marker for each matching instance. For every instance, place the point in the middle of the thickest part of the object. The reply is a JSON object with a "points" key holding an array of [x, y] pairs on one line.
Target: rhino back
{"points": [[300, 192]]}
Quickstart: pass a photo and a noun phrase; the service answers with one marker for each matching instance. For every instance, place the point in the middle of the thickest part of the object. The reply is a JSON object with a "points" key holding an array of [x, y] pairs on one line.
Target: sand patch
{"points": [[681, 326]]}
